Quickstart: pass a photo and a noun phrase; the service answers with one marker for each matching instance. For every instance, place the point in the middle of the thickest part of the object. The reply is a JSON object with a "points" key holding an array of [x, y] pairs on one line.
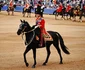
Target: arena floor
{"points": [[12, 46]]}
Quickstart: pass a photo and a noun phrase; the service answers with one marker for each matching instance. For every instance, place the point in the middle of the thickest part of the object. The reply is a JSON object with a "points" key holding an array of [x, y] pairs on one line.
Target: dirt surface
{"points": [[12, 46]]}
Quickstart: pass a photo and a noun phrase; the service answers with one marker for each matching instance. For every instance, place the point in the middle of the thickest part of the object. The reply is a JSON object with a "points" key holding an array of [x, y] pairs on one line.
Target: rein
{"points": [[28, 43], [30, 30]]}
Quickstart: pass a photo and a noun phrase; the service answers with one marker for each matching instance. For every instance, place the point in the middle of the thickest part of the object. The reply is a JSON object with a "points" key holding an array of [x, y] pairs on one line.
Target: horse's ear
{"points": [[24, 21], [20, 20]]}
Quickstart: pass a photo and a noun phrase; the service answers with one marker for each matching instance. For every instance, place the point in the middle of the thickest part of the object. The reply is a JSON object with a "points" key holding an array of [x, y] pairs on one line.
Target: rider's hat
{"points": [[39, 2]]}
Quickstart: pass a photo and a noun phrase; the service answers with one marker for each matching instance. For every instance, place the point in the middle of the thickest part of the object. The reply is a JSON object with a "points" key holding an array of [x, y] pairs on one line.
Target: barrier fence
{"points": [[20, 9]]}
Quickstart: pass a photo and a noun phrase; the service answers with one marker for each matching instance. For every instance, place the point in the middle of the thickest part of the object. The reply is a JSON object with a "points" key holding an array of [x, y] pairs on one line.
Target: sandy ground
{"points": [[12, 46]]}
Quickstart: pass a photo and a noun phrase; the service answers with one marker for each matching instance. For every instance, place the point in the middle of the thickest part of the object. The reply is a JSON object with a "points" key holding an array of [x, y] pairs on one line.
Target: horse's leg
{"points": [[84, 13], [62, 15], [27, 14], [27, 49], [74, 17], [12, 13], [56, 15], [23, 14], [56, 45], [67, 15], [0, 9], [30, 15], [48, 53], [34, 56], [8, 11], [70, 16], [80, 16]]}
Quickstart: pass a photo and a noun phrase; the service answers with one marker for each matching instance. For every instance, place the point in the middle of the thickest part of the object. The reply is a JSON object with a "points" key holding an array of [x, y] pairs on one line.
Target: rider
{"points": [[60, 8], [40, 22], [26, 6], [68, 8], [10, 4], [38, 9], [10, 7]]}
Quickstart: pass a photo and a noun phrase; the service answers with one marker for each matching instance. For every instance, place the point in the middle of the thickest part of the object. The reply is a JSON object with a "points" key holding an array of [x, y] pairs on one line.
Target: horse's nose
{"points": [[18, 32]]}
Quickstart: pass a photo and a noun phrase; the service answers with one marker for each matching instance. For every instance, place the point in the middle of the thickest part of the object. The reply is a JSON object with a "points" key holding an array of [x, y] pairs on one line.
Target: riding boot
{"points": [[40, 40]]}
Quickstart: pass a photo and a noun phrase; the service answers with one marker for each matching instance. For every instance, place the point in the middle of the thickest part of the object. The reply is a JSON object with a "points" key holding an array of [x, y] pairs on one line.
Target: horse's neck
{"points": [[26, 36], [29, 36]]}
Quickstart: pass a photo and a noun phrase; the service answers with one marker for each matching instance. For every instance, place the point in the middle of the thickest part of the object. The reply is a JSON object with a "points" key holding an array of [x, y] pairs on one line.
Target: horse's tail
{"points": [[64, 48]]}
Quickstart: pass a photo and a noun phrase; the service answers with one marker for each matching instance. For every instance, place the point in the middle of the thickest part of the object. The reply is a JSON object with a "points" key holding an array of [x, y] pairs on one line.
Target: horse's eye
{"points": [[20, 27]]}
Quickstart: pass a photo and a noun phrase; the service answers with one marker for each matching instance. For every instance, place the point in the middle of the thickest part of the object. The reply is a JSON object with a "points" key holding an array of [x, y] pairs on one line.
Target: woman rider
{"points": [[40, 22]]}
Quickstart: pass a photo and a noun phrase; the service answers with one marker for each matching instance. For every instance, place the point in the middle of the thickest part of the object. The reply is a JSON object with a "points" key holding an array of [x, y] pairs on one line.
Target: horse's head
{"points": [[23, 27]]}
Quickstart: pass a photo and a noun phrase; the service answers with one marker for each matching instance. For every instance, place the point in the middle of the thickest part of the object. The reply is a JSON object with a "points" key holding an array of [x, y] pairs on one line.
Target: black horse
{"points": [[84, 10], [62, 13], [1, 5], [11, 9], [77, 11], [28, 11], [33, 43], [69, 14]]}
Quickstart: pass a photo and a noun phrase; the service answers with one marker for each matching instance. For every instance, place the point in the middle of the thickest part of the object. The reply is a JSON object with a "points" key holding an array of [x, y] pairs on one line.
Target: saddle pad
{"points": [[48, 37]]}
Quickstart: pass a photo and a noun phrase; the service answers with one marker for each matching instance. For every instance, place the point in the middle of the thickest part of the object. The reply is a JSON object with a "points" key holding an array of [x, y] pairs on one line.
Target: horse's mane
{"points": [[27, 24]]}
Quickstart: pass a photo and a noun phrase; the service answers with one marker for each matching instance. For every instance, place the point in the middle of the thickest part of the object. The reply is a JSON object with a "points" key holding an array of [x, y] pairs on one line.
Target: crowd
{"points": [[48, 3]]}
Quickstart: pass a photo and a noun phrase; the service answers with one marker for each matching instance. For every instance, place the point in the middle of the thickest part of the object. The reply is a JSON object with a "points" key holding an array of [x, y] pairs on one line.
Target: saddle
{"points": [[45, 38]]}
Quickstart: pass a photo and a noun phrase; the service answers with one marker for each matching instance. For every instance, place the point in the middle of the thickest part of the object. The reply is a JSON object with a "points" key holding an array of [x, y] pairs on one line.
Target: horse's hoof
{"points": [[44, 64], [27, 64], [33, 66], [61, 63]]}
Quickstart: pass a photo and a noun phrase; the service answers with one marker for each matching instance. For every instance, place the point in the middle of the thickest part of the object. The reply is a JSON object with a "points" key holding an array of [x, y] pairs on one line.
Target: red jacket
{"points": [[27, 6], [11, 4], [68, 8], [84, 7], [41, 22], [60, 8]]}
